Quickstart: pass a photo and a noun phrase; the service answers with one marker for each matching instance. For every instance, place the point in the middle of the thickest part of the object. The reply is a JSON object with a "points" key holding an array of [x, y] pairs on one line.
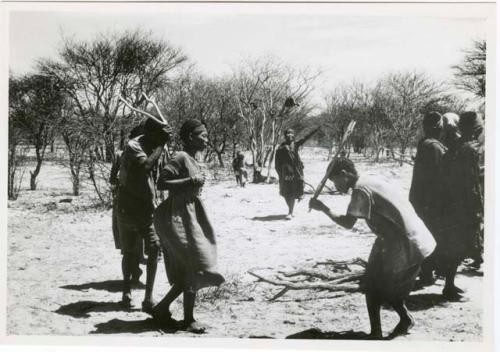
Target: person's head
{"points": [[470, 125], [289, 135], [450, 133], [343, 174], [136, 131], [158, 134], [433, 124], [240, 155], [194, 135]]}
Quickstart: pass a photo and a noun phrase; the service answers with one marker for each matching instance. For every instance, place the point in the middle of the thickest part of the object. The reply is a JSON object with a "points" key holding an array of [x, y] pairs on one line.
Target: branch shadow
{"points": [[82, 309], [269, 218], [316, 334], [115, 326], [109, 285]]}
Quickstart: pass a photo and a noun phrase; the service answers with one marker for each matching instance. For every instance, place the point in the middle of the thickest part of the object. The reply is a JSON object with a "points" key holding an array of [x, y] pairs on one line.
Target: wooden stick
{"points": [[345, 137], [313, 286], [140, 111], [155, 106]]}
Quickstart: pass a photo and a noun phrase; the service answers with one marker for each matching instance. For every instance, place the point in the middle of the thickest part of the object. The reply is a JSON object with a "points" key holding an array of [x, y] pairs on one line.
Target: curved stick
{"points": [[140, 111], [148, 99]]}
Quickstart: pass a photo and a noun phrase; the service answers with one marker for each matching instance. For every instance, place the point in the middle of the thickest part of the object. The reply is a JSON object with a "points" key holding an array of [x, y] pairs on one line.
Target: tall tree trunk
{"points": [[39, 151]]}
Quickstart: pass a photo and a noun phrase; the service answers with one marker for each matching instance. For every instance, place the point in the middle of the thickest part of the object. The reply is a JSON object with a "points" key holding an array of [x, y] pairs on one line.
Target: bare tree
{"points": [[41, 103], [94, 72], [470, 74], [260, 89], [16, 145], [404, 97]]}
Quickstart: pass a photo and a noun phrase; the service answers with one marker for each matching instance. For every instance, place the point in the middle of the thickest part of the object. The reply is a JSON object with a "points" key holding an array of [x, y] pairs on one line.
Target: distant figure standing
{"points": [[135, 206], [290, 169], [186, 234], [464, 202], [239, 169], [426, 191], [402, 243]]}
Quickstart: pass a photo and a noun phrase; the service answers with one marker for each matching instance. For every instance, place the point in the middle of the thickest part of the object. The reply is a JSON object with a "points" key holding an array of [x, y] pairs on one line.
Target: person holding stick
{"points": [[186, 234], [239, 169], [114, 182], [135, 205], [290, 169], [402, 243]]}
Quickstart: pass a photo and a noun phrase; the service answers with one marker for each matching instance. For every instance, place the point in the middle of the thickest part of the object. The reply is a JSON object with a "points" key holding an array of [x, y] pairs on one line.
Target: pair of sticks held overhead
{"points": [[162, 120]]}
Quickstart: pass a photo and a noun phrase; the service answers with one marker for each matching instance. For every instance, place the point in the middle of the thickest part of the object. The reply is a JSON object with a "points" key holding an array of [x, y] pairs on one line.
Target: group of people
{"points": [[433, 230], [179, 226], [447, 194]]}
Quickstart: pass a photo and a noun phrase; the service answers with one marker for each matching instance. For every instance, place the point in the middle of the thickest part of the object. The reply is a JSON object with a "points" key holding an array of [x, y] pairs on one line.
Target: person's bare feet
{"points": [[195, 327], [403, 327]]}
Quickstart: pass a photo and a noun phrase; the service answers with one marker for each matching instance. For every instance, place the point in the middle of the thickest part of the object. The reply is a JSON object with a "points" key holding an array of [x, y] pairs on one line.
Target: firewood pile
{"points": [[333, 276]]}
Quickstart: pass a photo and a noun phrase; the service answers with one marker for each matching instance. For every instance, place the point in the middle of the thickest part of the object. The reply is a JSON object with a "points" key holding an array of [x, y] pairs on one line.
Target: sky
{"points": [[343, 46]]}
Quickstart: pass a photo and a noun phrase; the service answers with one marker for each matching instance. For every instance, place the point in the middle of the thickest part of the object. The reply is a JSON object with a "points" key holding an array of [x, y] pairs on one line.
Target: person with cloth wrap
{"points": [[186, 234], [403, 241], [426, 191], [290, 169]]}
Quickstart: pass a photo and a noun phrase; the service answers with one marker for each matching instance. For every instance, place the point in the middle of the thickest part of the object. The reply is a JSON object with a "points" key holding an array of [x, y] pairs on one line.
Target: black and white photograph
{"points": [[255, 173]]}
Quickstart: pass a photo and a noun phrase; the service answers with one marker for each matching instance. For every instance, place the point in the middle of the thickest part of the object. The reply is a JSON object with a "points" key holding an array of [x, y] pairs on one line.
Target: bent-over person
{"points": [[186, 234], [135, 206], [403, 241], [290, 169]]}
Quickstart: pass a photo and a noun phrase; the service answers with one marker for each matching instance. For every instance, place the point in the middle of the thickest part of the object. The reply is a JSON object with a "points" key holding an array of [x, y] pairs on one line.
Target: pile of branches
{"points": [[334, 276]]}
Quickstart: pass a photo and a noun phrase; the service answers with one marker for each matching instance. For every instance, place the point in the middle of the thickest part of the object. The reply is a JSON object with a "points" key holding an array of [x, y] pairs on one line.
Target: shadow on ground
{"points": [[82, 309], [109, 285], [269, 218], [316, 334], [425, 301], [116, 326], [471, 272]]}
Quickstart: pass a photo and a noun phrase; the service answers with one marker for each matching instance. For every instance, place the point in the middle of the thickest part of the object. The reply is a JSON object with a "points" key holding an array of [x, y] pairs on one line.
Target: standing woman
{"points": [[185, 232], [290, 169]]}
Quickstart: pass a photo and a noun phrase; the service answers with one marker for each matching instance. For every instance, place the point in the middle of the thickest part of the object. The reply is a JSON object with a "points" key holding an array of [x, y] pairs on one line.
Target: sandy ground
{"points": [[64, 273]]}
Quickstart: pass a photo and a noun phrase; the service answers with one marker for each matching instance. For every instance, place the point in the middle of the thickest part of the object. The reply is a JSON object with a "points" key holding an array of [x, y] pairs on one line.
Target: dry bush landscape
{"points": [[64, 275]]}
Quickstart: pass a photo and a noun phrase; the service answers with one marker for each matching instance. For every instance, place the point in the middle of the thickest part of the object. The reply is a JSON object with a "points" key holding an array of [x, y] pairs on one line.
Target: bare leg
{"points": [[190, 323], [451, 291], [163, 308], [126, 271], [290, 202], [406, 321], [151, 267], [161, 312], [373, 304]]}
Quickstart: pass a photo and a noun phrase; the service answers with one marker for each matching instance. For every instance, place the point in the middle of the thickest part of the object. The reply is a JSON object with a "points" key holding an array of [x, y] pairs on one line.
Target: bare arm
{"points": [[347, 221], [148, 163]]}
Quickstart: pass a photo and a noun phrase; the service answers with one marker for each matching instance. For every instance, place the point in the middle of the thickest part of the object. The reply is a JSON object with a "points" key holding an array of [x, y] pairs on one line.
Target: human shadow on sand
{"points": [[317, 334], [116, 326], [423, 301], [269, 218], [82, 309], [109, 285]]}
